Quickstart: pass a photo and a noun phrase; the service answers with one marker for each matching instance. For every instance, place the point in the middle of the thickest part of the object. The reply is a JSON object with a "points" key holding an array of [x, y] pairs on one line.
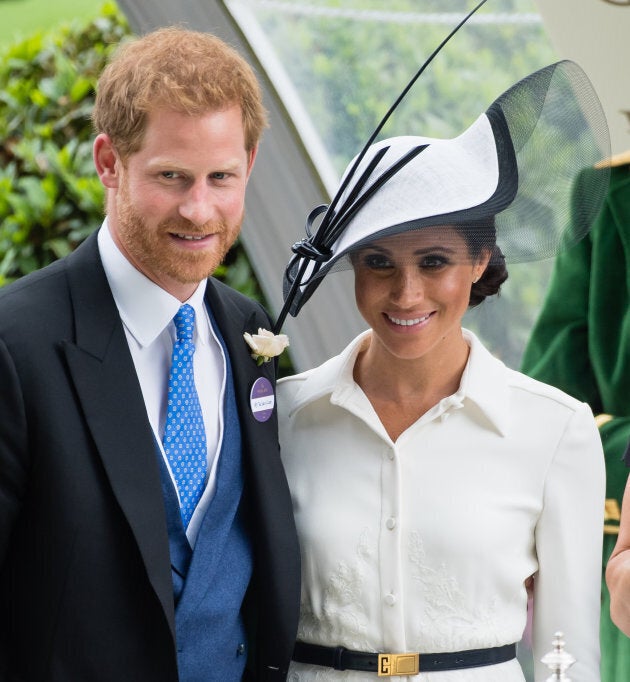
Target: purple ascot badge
{"points": [[262, 399]]}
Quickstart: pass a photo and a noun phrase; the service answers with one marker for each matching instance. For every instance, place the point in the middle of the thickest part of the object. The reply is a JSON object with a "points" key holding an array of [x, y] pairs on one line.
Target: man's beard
{"points": [[151, 248]]}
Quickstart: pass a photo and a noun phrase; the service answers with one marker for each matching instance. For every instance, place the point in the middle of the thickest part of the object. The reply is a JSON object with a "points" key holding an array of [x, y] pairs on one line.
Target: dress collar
{"points": [[484, 382]]}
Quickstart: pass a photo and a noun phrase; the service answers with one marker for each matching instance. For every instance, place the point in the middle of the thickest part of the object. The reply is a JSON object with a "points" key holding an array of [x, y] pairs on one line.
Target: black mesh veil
{"points": [[510, 177], [559, 133]]}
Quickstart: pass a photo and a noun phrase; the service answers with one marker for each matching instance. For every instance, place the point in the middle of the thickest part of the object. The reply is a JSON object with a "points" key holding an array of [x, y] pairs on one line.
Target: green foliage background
{"points": [[50, 196], [20, 18]]}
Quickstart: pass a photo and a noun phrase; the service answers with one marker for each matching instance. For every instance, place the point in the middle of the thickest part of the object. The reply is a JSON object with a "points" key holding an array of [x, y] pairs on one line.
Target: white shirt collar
{"points": [[145, 308], [484, 382]]}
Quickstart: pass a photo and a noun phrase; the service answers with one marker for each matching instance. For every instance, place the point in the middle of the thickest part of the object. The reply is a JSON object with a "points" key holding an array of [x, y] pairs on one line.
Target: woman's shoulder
{"points": [[318, 380], [491, 371], [540, 391], [323, 379], [513, 400], [550, 409], [290, 385], [298, 391]]}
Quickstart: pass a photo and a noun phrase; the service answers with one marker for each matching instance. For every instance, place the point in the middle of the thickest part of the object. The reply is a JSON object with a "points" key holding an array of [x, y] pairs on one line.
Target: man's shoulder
{"points": [[36, 309], [46, 283], [39, 284]]}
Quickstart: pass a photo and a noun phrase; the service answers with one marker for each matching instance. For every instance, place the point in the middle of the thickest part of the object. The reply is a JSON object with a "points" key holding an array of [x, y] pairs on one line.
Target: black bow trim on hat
{"points": [[314, 247]]}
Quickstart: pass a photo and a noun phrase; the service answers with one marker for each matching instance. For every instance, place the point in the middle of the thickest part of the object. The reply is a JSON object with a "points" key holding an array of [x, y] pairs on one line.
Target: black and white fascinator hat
{"points": [[511, 177]]}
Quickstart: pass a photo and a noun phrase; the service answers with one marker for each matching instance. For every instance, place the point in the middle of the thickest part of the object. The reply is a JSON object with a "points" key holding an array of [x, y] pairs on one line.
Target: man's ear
{"points": [[106, 161], [252, 158]]}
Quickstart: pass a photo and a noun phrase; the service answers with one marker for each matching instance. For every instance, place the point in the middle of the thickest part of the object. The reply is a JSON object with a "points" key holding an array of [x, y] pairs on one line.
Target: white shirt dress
{"points": [[424, 544]]}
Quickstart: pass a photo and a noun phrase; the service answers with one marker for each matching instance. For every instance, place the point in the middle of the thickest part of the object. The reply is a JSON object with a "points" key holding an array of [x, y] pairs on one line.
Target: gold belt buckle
{"points": [[391, 665]]}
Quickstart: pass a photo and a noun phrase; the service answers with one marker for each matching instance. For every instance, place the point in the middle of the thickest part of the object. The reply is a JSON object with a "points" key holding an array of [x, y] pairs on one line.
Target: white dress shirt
{"points": [[424, 544], [147, 312]]}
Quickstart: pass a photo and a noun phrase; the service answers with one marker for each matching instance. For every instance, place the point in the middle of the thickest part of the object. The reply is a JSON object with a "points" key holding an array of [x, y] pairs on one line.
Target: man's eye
{"points": [[219, 176], [169, 175]]}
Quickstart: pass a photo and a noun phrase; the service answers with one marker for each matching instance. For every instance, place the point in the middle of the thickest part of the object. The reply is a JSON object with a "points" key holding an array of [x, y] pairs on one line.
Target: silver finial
{"points": [[558, 660]]}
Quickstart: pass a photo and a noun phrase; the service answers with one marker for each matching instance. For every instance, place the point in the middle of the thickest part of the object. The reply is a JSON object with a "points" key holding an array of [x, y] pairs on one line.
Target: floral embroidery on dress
{"points": [[343, 605], [448, 617]]}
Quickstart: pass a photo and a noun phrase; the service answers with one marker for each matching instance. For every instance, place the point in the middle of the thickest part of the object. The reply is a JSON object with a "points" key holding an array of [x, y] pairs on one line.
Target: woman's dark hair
{"points": [[481, 235]]}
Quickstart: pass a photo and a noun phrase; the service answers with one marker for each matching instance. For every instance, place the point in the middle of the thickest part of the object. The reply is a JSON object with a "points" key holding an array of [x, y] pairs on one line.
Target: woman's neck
{"points": [[402, 390]]}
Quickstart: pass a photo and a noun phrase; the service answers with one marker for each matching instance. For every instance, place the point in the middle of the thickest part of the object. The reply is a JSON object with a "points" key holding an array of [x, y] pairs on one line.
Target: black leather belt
{"points": [[389, 665]]}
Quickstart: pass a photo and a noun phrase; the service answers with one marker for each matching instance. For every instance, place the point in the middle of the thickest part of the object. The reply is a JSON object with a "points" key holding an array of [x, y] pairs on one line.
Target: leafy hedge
{"points": [[50, 195]]}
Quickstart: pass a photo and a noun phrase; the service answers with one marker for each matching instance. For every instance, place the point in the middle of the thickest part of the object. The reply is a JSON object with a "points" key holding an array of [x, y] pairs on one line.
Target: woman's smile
{"points": [[413, 290], [407, 321]]}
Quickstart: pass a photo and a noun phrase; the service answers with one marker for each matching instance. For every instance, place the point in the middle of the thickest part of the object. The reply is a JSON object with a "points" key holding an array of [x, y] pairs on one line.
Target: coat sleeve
{"points": [[557, 351], [13, 448], [569, 548], [580, 341]]}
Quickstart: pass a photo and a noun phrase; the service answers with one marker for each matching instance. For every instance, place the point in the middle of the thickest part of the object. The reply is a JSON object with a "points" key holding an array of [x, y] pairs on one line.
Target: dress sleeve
{"points": [[569, 549]]}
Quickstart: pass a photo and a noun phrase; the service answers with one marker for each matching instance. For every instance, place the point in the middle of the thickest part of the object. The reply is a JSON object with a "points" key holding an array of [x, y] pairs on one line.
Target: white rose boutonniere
{"points": [[266, 345]]}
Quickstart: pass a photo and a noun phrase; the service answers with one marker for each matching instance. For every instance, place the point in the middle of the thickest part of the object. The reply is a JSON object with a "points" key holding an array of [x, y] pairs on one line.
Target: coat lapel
{"points": [[233, 322], [105, 379]]}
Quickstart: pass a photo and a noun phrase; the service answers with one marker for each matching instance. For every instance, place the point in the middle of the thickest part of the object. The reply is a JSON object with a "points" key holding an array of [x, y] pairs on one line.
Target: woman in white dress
{"points": [[433, 487]]}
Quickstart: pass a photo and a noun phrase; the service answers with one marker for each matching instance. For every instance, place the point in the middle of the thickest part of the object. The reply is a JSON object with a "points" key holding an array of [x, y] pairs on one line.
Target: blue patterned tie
{"points": [[184, 433]]}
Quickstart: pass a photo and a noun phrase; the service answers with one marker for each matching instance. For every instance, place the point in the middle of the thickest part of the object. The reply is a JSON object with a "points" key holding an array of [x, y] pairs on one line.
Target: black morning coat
{"points": [[85, 579]]}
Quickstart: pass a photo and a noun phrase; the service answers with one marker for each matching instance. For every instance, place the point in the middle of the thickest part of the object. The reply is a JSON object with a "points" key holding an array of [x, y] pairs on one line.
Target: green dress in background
{"points": [[581, 344]]}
